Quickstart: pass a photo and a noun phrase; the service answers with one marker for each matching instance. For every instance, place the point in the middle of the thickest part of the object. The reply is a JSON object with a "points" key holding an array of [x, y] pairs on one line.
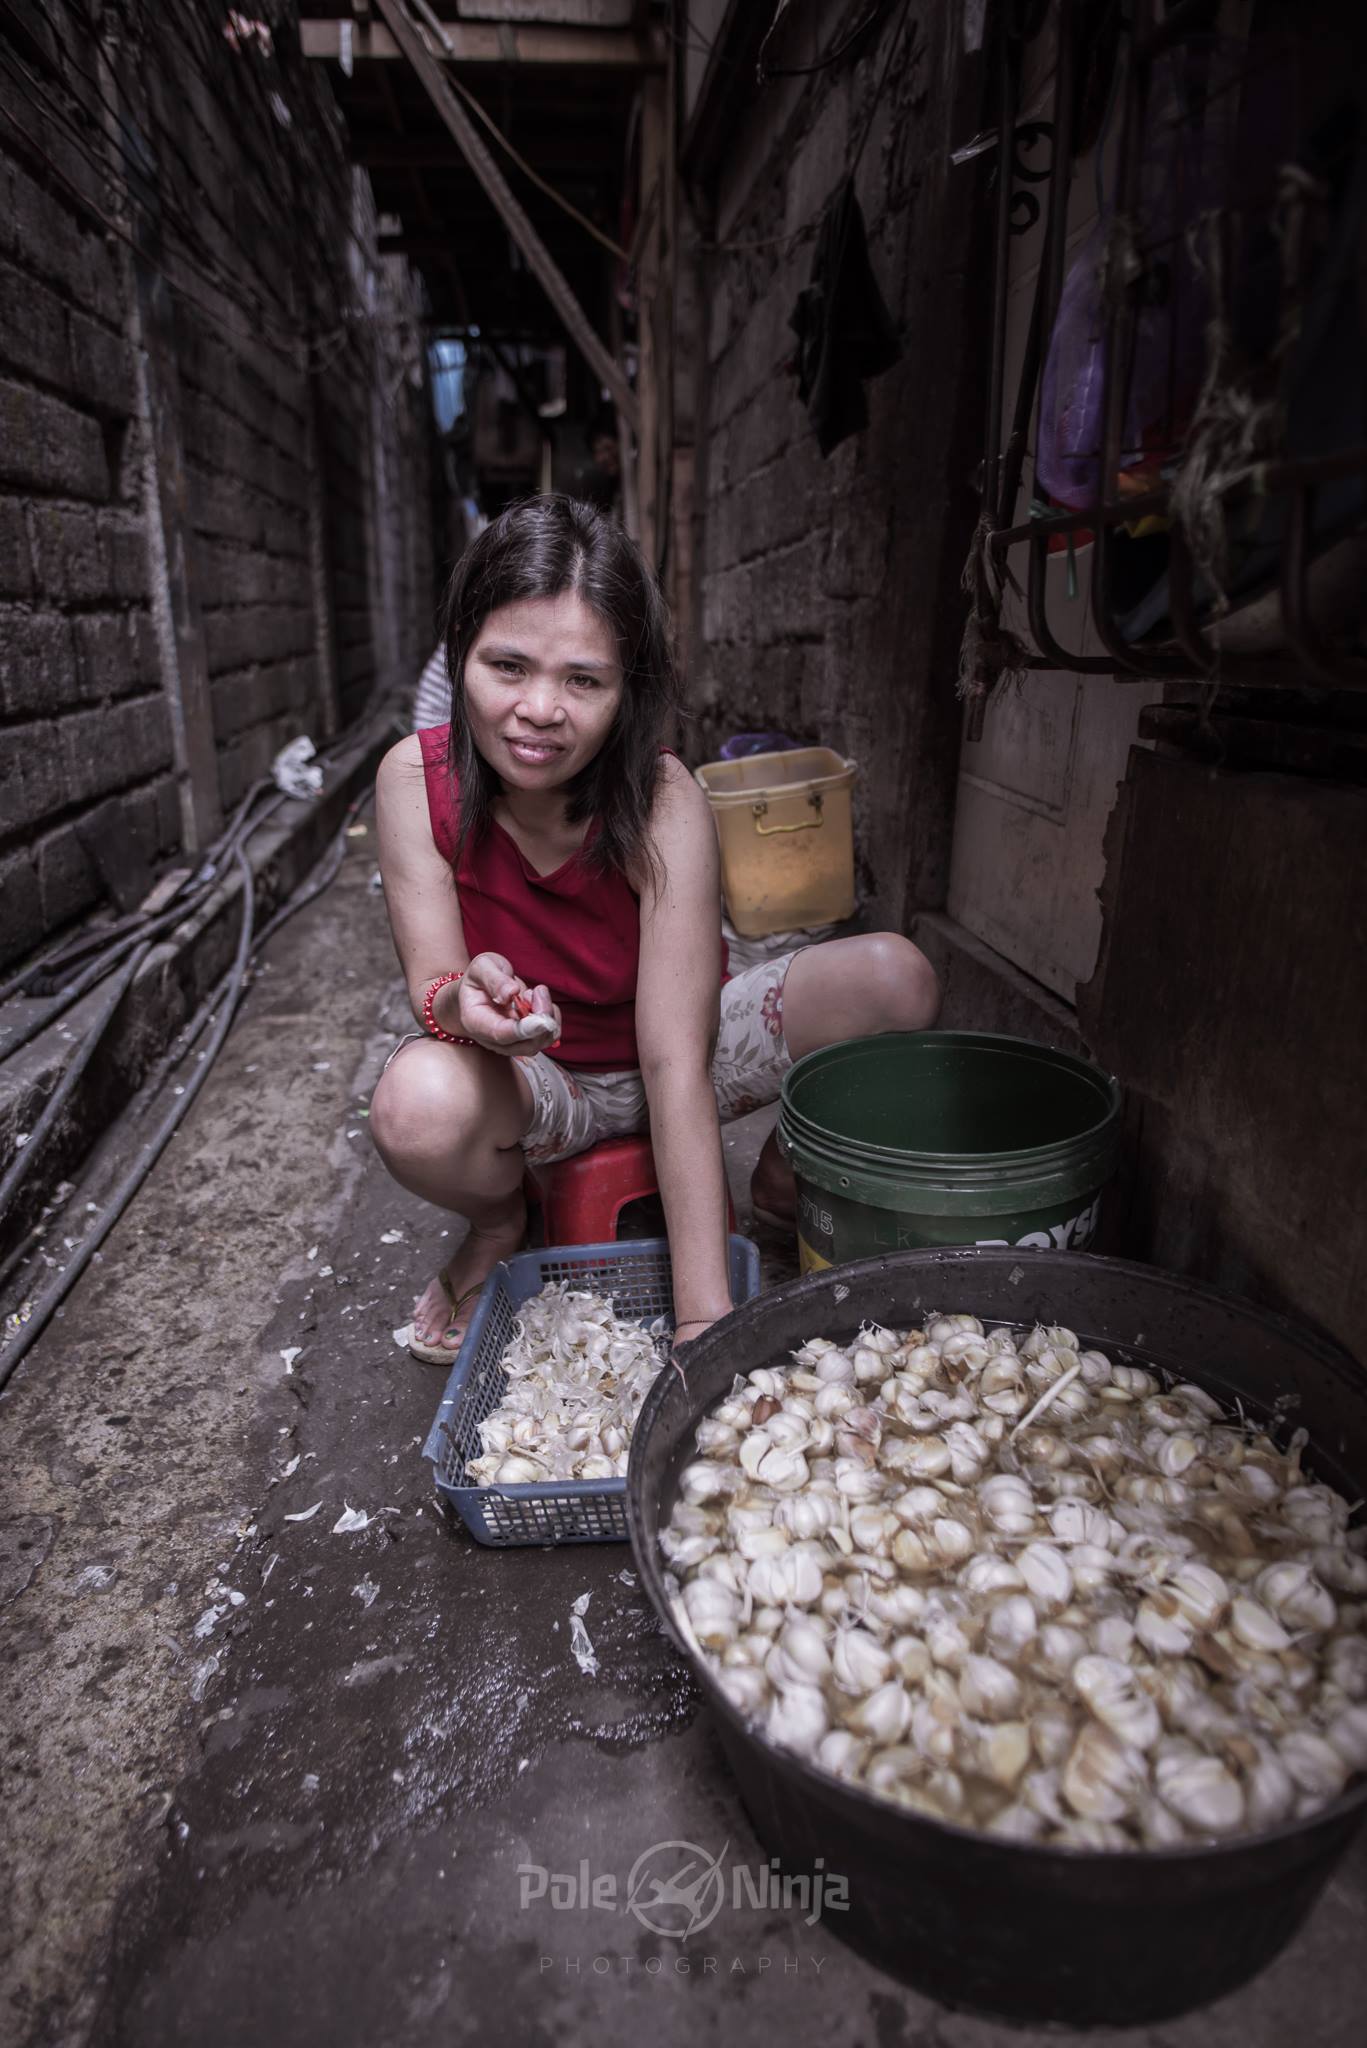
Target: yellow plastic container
{"points": [[787, 838]]}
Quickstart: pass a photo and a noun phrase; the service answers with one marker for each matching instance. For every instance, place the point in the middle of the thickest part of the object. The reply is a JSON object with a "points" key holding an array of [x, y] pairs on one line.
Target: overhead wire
{"points": [[809, 228], [434, 23]]}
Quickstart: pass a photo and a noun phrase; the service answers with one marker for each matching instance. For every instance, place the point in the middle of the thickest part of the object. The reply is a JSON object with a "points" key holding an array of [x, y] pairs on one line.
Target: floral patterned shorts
{"points": [[573, 1109]]}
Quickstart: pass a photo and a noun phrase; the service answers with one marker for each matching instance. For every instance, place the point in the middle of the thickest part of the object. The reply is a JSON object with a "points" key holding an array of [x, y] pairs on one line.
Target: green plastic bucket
{"points": [[946, 1137]]}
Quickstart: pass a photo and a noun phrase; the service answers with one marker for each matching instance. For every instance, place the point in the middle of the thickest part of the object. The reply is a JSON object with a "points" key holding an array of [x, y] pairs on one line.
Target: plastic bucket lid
{"points": [[951, 1123]]}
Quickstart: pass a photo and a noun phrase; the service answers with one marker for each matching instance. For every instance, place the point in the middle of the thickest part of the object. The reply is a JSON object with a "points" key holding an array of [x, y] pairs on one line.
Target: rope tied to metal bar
{"points": [[989, 651], [1238, 423]]}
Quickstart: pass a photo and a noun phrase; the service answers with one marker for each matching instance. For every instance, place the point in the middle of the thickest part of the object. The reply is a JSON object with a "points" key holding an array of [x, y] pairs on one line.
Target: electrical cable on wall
{"points": [[224, 1000]]}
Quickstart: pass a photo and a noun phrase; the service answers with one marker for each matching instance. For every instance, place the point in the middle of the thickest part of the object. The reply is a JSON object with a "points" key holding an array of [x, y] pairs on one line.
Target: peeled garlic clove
{"points": [[1293, 1593], [804, 1645], [911, 1659], [1342, 1569], [1315, 1764], [1074, 1521], [1200, 1791], [834, 1400], [884, 1715], [724, 1569], [988, 1574], [1108, 1689], [872, 1528], [797, 1718], [1012, 1624], [1253, 1624], [1200, 1593], [919, 1506], [988, 1689], [1177, 1455], [946, 1641], [859, 1663], [952, 1540], [842, 1753], [705, 1481], [1162, 1627], [783, 1469], [1269, 1790], [912, 1552], [896, 1606], [835, 1368], [1102, 1777], [517, 1471], [1347, 1733], [805, 1515], [745, 1686], [1001, 1752], [1059, 1648], [927, 1459], [766, 1381], [713, 1612], [1047, 1576], [1008, 1503], [969, 1452], [1093, 1569], [857, 1481]]}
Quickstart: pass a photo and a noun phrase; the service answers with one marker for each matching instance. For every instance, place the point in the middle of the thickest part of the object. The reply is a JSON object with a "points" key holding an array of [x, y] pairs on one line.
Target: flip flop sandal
{"points": [[444, 1354]]}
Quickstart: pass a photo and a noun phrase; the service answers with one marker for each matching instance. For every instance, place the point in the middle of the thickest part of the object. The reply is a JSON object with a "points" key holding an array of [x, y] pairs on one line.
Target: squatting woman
{"points": [[551, 875]]}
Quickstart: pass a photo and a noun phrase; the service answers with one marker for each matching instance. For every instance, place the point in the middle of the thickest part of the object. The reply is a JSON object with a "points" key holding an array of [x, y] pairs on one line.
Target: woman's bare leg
{"points": [[848, 988], [448, 1122]]}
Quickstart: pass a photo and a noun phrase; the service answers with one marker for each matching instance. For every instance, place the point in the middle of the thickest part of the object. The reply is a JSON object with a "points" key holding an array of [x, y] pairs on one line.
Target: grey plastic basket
{"points": [[637, 1277]]}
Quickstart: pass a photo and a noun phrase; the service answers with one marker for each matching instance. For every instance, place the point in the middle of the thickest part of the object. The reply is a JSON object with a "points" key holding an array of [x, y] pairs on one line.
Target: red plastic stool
{"points": [[582, 1198]]}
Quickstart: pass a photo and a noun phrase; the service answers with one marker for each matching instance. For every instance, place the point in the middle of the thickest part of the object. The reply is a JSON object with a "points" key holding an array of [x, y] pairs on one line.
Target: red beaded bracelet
{"points": [[430, 1023]]}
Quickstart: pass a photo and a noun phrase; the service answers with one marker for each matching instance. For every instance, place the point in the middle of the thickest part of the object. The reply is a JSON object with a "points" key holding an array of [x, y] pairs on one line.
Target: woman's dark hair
{"points": [[543, 547]]}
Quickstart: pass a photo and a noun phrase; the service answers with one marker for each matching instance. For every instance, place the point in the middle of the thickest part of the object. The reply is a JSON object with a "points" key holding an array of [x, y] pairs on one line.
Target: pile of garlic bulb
{"points": [[576, 1377], [1010, 1584]]}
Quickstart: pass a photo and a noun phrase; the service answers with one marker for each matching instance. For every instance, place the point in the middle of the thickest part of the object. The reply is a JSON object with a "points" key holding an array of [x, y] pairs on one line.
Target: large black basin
{"points": [[1024, 1933]]}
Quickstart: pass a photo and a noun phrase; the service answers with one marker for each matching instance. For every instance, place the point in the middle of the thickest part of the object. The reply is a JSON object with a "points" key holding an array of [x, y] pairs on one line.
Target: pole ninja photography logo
{"points": [[676, 1888]]}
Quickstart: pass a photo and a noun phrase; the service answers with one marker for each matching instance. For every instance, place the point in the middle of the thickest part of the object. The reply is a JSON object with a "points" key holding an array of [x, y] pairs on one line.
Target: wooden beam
{"points": [[539, 259], [649, 278], [494, 42]]}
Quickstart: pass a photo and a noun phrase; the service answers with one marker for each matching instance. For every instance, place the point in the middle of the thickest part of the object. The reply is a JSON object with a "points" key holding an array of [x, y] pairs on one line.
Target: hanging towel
{"points": [[844, 330]]}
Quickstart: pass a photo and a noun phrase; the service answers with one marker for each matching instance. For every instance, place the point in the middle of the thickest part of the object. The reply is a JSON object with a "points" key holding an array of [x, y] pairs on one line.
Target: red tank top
{"points": [[577, 930]]}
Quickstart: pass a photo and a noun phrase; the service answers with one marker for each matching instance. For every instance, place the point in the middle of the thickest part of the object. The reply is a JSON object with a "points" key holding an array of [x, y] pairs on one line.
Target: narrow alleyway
{"points": [[269, 1782]]}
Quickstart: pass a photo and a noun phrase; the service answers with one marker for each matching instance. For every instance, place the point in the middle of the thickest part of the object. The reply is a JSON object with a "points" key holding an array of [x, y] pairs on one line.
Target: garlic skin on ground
{"points": [[999, 1579]]}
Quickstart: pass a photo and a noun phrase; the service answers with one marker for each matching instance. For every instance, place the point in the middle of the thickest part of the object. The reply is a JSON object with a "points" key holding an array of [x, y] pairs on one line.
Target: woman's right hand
{"points": [[489, 994]]}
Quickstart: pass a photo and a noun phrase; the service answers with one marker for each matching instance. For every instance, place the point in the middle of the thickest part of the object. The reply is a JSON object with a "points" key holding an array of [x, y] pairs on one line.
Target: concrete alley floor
{"points": [[268, 1784]]}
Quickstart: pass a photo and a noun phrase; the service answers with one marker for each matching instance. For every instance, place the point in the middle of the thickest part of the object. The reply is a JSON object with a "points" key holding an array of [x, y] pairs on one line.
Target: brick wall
{"points": [[827, 598], [293, 360]]}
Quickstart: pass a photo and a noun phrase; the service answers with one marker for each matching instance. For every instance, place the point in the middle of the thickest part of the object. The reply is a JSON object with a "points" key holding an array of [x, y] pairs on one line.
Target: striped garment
{"points": [[432, 704]]}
